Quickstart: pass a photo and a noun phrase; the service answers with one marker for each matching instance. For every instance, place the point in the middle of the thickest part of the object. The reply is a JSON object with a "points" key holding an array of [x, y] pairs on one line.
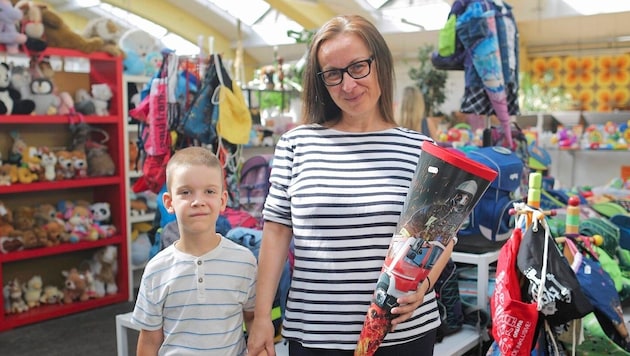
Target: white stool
{"points": [[123, 322]]}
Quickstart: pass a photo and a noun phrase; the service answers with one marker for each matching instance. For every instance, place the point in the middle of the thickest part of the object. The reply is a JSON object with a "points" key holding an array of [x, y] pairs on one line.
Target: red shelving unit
{"points": [[54, 131]]}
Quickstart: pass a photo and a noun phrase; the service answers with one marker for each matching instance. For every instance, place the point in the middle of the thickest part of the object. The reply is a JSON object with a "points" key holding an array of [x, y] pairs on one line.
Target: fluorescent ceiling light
{"points": [[591, 7]]}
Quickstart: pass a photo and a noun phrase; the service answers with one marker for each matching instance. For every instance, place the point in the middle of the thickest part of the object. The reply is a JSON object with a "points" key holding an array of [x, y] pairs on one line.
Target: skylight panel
{"points": [[248, 11], [590, 7]]}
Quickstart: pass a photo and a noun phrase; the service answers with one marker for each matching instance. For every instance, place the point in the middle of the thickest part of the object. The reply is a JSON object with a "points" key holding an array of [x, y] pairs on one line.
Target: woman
{"points": [[412, 112], [338, 186]]}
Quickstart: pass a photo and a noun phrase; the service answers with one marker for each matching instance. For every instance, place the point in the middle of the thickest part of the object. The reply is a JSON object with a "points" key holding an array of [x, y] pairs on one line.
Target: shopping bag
{"points": [[513, 320]]}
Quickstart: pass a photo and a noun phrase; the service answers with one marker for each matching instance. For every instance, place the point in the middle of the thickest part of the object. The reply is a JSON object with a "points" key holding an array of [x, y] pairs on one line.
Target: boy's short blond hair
{"points": [[192, 156]]}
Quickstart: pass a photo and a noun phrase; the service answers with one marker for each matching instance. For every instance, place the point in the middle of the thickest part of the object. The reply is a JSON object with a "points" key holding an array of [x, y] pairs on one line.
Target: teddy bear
{"points": [[51, 295], [33, 291], [11, 102], [138, 46], [104, 265], [108, 31], [75, 286], [9, 19], [58, 34], [31, 235], [31, 25], [101, 94], [64, 168]]}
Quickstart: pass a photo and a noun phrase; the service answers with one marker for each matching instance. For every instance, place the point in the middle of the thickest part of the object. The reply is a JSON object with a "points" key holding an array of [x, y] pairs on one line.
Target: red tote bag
{"points": [[513, 321]]}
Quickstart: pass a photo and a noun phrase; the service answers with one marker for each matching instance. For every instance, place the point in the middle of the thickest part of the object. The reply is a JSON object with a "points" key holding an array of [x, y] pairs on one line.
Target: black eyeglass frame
{"points": [[345, 70]]}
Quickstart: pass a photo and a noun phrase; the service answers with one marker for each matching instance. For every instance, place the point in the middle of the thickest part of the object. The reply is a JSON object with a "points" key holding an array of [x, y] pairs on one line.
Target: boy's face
{"points": [[196, 197]]}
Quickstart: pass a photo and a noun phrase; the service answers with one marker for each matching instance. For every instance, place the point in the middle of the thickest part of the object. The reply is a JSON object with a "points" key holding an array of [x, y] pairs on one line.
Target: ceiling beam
{"points": [[174, 19], [309, 14]]}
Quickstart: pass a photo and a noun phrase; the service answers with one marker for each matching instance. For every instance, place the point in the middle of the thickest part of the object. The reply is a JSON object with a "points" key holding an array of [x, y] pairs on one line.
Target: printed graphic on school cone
{"points": [[445, 188]]}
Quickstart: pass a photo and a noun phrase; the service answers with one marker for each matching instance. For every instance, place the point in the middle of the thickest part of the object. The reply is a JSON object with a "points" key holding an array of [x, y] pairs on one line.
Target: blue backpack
{"points": [[252, 239], [489, 224]]}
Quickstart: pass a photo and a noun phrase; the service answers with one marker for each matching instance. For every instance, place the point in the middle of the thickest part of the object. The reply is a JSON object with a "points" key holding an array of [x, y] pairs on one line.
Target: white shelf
{"points": [[482, 261], [459, 343]]}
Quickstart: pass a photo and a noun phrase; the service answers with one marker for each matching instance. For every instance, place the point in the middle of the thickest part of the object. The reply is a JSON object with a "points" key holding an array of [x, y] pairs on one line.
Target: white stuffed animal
{"points": [[101, 94]]}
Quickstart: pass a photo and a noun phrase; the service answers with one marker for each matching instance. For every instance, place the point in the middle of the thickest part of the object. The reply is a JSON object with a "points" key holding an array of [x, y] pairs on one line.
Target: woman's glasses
{"points": [[356, 70]]}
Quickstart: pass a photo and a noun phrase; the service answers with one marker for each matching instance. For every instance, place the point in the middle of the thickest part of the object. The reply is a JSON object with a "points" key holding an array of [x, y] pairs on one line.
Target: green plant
{"points": [[430, 81], [535, 97]]}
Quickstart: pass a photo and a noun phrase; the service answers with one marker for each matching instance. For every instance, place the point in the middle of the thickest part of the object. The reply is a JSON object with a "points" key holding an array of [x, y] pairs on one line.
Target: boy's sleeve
{"points": [[147, 312], [251, 293]]}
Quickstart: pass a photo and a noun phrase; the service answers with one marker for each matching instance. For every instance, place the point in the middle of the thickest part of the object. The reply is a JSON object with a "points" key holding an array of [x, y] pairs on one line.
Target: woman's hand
{"points": [[261, 337], [408, 304]]}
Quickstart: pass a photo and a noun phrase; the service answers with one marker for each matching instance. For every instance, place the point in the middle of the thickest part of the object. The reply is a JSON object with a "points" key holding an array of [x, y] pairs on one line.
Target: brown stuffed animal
{"points": [[59, 34], [75, 286], [108, 31]]}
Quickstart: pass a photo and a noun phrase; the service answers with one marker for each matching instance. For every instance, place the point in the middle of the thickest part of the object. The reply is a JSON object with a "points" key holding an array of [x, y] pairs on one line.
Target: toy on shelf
{"points": [[14, 295], [9, 19], [33, 291], [75, 286], [58, 34], [104, 265]]}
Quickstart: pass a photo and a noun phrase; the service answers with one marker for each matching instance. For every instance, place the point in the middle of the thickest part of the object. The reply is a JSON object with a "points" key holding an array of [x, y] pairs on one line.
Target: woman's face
{"points": [[353, 96]]}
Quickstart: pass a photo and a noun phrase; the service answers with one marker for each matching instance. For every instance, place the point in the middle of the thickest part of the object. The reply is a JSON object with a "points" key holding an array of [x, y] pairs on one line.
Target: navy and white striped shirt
{"points": [[199, 301], [342, 193]]}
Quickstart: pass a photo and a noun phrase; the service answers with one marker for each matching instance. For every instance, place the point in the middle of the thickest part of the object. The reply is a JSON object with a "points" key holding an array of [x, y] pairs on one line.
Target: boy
{"points": [[195, 294]]}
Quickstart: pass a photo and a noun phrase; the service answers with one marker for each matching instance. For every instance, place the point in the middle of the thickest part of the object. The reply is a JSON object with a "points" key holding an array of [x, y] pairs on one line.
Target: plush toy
{"points": [[101, 94], [66, 103], [46, 102], [133, 156], [99, 161], [59, 34], [102, 216], [31, 25], [51, 295], [105, 267], [15, 297], [31, 162], [75, 286], [79, 163], [64, 168], [32, 235], [21, 79], [10, 99], [6, 220], [9, 19], [48, 161], [80, 225], [137, 45], [8, 174], [33, 291], [108, 31], [84, 103], [140, 243]]}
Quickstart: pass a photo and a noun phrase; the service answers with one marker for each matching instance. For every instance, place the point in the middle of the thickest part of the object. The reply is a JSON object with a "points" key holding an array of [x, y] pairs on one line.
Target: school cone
{"points": [[445, 188]]}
